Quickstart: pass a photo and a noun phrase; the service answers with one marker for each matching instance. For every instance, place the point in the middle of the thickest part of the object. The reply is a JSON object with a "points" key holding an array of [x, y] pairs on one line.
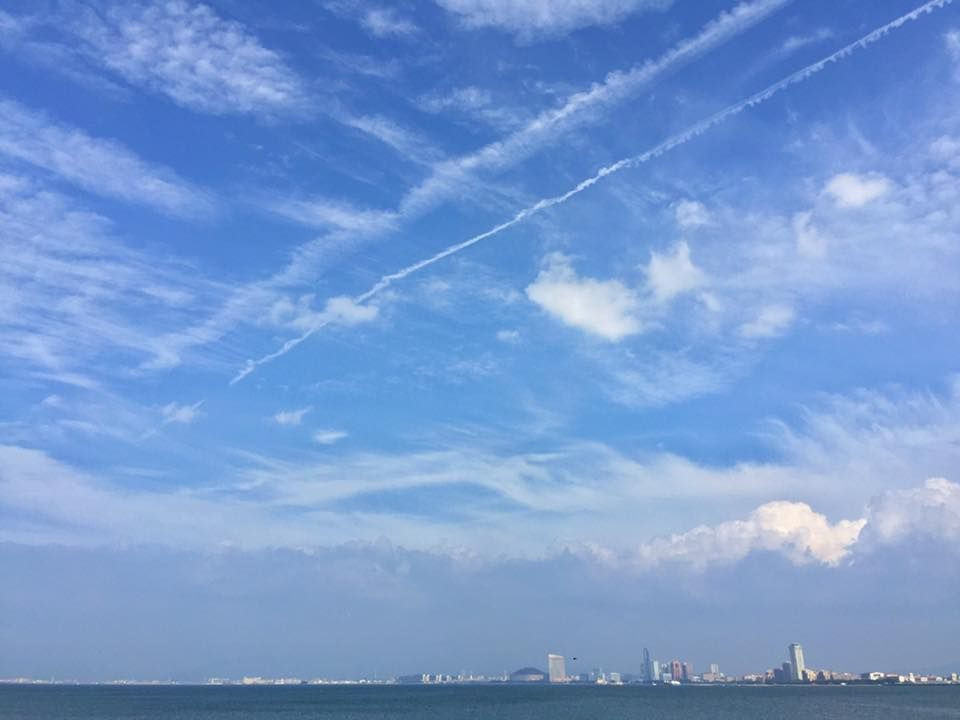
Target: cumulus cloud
{"points": [[531, 18], [771, 321], [673, 273], [192, 55], [291, 417], [606, 308], [931, 511], [182, 414], [792, 529], [850, 190]]}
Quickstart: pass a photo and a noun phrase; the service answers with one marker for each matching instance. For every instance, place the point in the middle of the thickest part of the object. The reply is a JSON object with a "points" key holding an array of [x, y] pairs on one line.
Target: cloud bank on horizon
{"points": [[647, 289]]}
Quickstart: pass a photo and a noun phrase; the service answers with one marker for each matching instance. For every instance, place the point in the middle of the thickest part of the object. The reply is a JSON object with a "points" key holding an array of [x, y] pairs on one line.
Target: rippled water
{"points": [[506, 702]]}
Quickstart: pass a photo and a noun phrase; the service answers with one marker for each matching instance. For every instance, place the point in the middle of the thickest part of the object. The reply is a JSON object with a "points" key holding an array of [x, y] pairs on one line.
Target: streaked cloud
{"points": [[181, 414], [291, 417], [192, 55], [97, 165], [771, 321], [532, 18], [329, 437]]}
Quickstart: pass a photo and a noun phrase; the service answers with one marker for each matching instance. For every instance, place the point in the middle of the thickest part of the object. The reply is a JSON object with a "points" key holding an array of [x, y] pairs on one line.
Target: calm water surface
{"points": [[503, 702]]}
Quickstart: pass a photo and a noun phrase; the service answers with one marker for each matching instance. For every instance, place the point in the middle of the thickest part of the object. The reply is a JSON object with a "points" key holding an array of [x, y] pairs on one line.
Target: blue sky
{"points": [[435, 297]]}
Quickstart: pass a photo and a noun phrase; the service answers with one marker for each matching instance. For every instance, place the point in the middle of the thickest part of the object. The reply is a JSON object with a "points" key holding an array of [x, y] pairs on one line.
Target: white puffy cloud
{"points": [[792, 529], [850, 190], [606, 308], [771, 321], [690, 214], [530, 18], [291, 417], [182, 414], [671, 274], [930, 511]]}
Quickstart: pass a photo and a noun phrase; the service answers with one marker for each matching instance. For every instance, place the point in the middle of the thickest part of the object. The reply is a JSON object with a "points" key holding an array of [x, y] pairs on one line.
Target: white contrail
{"points": [[449, 176], [655, 152]]}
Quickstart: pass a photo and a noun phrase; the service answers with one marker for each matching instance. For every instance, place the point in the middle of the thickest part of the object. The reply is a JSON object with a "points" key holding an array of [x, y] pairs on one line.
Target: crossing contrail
{"points": [[666, 146]]}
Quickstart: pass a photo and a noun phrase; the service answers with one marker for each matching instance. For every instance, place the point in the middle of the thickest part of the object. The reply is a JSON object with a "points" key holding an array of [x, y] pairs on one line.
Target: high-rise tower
{"points": [[796, 662], [647, 667], [556, 668]]}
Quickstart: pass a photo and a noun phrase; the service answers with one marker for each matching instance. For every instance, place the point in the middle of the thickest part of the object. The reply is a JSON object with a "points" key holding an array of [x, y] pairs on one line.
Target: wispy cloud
{"points": [[329, 437], [386, 22], [719, 29], [691, 214], [473, 102], [100, 166], [72, 291], [181, 414], [528, 19], [771, 321], [192, 55], [795, 42], [291, 417], [380, 21], [881, 444]]}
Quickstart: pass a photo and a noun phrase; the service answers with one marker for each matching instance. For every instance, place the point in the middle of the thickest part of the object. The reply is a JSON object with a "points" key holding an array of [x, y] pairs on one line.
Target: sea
{"points": [[496, 702]]}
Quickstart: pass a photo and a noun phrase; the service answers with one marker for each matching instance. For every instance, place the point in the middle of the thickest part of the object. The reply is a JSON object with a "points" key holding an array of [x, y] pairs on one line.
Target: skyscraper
{"points": [[556, 668], [676, 670], [796, 662], [647, 667]]}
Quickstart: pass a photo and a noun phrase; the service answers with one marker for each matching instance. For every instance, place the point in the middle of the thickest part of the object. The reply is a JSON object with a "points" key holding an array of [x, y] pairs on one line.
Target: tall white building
{"points": [[556, 668], [796, 662]]}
